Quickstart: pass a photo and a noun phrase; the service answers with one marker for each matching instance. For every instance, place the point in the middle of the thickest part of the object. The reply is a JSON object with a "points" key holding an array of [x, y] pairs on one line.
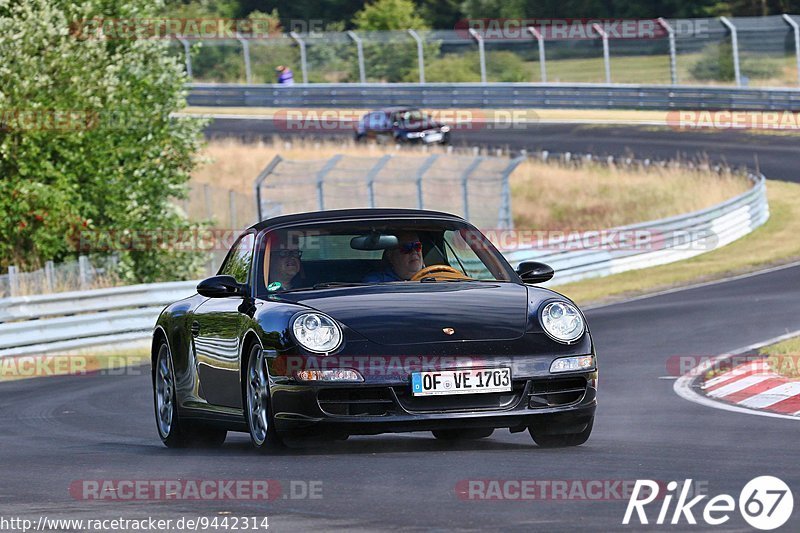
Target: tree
{"points": [[87, 141], [389, 15]]}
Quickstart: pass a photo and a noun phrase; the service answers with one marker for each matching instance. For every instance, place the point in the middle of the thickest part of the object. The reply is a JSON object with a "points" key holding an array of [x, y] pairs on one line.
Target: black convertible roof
{"points": [[347, 214]]}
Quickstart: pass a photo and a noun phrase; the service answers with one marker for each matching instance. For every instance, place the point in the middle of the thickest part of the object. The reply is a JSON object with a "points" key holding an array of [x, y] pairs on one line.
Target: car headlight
{"points": [[562, 321], [444, 129], [317, 333]]}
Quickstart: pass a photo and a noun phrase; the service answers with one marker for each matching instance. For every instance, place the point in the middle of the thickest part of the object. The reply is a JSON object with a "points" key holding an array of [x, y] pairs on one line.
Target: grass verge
{"points": [[86, 362], [773, 243], [783, 357]]}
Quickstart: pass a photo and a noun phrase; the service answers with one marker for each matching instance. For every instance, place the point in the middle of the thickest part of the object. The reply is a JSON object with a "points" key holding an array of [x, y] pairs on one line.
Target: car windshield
{"points": [[413, 118], [324, 255]]}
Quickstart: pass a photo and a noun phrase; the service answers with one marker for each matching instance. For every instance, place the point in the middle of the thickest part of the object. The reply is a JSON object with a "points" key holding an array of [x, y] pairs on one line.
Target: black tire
{"points": [[462, 434], [359, 138], [562, 441], [257, 404], [177, 433]]}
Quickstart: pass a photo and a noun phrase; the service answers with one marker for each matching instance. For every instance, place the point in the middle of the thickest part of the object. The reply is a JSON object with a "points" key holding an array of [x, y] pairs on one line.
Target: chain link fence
{"points": [[744, 51], [476, 188], [85, 273]]}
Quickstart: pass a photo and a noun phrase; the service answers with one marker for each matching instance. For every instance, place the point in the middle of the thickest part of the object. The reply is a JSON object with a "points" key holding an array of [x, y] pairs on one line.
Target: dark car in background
{"points": [[308, 330], [401, 125]]}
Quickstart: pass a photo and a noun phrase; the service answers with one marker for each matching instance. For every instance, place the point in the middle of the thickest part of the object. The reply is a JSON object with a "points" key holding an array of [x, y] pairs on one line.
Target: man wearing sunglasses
{"points": [[284, 266], [402, 262]]}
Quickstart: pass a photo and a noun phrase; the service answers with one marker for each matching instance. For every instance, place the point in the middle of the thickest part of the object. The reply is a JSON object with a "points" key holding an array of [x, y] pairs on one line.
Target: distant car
{"points": [[308, 330], [401, 125]]}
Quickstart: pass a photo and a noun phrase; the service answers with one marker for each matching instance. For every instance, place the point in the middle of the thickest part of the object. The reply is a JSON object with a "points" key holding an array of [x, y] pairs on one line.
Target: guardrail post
{"points": [[83, 271], [260, 179], [248, 73], [303, 66], [481, 52], [321, 179], [420, 55], [504, 219], [372, 174], [606, 55], [735, 45], [796, 29], [673, 64], [423, 168], [50, 275], [13, 281], [542, 64], [465, 184], [360, 49], [187, 56]]}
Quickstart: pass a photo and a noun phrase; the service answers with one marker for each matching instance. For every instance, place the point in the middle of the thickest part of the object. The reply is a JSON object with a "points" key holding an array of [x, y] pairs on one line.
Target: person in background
{"points": [[285, 75]]}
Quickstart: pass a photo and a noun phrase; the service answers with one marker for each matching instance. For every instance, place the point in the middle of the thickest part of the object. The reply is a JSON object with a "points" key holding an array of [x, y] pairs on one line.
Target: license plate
{"points": [[433, 138], [471, 381]]}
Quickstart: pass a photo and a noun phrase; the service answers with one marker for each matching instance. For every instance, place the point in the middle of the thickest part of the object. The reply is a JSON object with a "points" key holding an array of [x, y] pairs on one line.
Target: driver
{"points": [[284, 266], [402, 261]]}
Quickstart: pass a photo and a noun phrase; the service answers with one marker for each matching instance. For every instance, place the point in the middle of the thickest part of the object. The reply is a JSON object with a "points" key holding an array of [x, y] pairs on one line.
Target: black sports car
{"points": [[401, 125], [369, 321]]}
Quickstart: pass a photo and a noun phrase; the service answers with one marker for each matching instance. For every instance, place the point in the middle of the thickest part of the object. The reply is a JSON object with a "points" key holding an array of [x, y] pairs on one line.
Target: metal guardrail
{"points": [[66, 321], [494, 95]]}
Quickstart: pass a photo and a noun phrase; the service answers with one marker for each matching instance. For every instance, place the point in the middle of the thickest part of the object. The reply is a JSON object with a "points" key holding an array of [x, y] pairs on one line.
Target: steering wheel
{"points": [[438, 271]]}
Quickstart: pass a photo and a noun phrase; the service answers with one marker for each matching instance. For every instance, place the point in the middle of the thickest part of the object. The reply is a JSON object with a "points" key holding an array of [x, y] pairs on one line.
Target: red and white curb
{"points": [[751, 388], [754, 385]]}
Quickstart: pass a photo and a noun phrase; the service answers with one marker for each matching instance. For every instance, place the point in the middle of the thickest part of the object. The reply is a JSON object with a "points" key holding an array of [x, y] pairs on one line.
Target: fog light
{"points": [[337, 374], [571, 364]]}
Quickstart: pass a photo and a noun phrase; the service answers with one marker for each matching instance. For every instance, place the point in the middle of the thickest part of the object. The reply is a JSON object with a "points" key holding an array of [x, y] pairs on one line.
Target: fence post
{"points": [[542, 65], [13, 281], [372, 174], [360, 48], [50, 276], [232, 208], [83, 271], [248, 73], [735, 45], [673, 63], [260, 179], [423, 168], [321, 179], [481, 52], [465, 181], [606, 55], [187, 55], [420, 55], [504, 219], [302, 44], [796, 28]]}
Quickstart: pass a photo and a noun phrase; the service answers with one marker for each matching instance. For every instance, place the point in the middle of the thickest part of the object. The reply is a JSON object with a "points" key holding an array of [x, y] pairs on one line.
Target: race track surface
{"points": [[775, 155], [56, 431]]}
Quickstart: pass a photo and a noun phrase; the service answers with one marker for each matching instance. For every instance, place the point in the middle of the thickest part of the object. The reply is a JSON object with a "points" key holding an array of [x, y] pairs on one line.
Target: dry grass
{"points": [[544, 195], [784, 357]]}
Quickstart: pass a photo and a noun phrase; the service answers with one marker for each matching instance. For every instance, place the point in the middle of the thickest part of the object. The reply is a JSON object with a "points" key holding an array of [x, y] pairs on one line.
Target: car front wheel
{"points": [[174, 432], [561, 440], [260, 420]]}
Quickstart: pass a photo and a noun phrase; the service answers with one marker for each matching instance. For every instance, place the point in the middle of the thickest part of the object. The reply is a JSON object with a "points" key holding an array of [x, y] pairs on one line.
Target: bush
{"points": [[119, 161], [716, 64], [501, 66]]}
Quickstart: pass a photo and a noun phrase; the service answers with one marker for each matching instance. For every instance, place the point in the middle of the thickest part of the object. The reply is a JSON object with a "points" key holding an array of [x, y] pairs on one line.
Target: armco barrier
{"points": [[66, 321], [494, 95]]}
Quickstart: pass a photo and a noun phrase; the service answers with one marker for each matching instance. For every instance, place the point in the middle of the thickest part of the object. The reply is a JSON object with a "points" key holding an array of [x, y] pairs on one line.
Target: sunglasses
{"points": [[290, 253], [408, 247]]}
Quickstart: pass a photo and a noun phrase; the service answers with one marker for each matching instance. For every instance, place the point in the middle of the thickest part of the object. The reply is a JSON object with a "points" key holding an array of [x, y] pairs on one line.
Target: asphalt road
{"points": [[775, 155], [55, 431]]}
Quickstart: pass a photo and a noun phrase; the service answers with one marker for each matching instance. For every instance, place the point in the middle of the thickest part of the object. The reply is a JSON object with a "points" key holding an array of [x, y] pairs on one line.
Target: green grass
{"points": [[784, 357]]}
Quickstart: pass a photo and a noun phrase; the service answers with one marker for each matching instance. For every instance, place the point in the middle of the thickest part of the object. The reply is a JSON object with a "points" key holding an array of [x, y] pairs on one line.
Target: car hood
{"points": [[413, 313]]}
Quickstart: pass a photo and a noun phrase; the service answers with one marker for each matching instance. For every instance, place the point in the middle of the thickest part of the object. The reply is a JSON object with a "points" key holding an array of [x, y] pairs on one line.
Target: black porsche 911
{"points": [[401, 125], [359, 322]]}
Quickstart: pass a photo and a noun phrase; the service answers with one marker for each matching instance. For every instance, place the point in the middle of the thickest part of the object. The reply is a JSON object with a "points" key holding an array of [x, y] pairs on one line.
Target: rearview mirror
{"points": [[534, 272], [374, 241], [220, 287]]}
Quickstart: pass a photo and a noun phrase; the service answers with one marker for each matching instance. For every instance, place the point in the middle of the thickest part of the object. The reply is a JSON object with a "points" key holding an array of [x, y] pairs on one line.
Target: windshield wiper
{"points": [[329, 284]]}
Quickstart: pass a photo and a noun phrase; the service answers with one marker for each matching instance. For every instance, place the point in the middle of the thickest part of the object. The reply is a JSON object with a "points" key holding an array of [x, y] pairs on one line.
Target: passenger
{"points": [[284, 268], [401, 262]]}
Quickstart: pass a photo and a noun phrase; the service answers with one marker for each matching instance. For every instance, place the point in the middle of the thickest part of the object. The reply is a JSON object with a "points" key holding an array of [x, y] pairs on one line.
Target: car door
{"points": [[217, 329]]}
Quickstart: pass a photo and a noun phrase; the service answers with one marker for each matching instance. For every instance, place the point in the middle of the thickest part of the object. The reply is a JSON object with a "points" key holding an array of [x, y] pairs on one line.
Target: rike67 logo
{"points": [[765, 503]]}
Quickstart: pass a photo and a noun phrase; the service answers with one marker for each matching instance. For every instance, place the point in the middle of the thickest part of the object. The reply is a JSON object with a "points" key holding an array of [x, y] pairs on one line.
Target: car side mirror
{"points": [[220, 287], [534, 272]]}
